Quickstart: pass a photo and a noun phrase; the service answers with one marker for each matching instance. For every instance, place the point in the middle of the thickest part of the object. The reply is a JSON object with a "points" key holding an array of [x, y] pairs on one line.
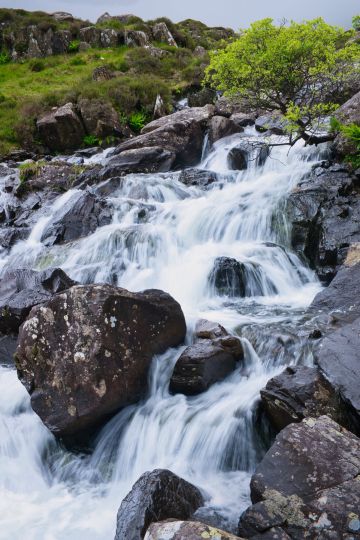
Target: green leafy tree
{"points": [[295, 69], [356, 22]]}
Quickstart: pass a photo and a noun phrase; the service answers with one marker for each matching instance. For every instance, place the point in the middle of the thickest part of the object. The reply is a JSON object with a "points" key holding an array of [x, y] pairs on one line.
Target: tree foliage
{"points": [[294, 68]]}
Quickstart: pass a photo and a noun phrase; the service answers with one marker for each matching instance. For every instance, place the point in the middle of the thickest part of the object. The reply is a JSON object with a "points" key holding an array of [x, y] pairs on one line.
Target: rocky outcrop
{"points": [[81, 219], [324, 211], [230, 277], [220, 127], [62, 129], [349, 113], [162, 33], [156, 496], [139, 160], [99, 118], [136, 38], [181, 134], [307, 486], [102, 365], [22, 289], [212, 357], [91, 35], [301, 392], [186, 530], [197, 177], [247, 152]]}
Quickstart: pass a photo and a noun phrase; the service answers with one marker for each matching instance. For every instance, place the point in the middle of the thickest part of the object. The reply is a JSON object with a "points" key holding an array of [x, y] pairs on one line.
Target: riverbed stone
{"points": [[86, 353], [186, 530], [156, 496]]}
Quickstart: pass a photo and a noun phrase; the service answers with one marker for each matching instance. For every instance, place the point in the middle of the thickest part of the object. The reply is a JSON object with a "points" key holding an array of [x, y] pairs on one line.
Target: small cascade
{"points": [[223, 252]]}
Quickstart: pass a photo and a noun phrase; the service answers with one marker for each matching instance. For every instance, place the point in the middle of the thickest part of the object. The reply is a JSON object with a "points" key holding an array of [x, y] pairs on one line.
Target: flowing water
{"points": [[166, 235]]}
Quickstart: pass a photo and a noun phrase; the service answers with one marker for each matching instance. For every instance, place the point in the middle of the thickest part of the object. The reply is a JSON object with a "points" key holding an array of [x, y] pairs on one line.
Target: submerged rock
{"points": [[245, 152], [22, 289], [212, 357], [307, 485], [156, 496], [197, 177], [86, 353], [186, 530]]}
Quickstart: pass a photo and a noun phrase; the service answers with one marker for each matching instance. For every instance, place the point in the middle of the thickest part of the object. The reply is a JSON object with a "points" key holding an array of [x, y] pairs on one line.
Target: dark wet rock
{"points": [[102, 365], [207, 361], [99, 118], [220, 127], [244, 119], [81, 219], [274, 123], [247, 151], [324, 211], [205, 96], [197, 177], [62, 129], [10, 235], [181, 134], [230, 277], [186, 530], [22, 289], [56, 176], [138, 160], [307, 484], [162, 33], [339, 361], [156, 496], [349, 113], [7, 349], [298, 393]]}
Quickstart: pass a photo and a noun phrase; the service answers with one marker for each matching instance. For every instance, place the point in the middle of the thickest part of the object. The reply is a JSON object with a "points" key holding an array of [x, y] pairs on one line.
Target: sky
{"points": [[233, 13]]}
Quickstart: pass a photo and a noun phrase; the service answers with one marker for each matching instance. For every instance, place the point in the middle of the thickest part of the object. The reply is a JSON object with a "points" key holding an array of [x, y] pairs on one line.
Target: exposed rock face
{"points": [[246, 152], [181, 134], [136, 38], [212, 357], [61, 129], [102, 73], [220, 127], [61, 41], [162, 33], [339, 361], [84, 217], [139, 160], [22, 289], [7, 349], [185, 530], [99, 117], [230, 277], [324, 211], [62, 16], [301, 392], [197, 177], [156, 496], [91, 34], [109, 38], [307, 485], [349, 113], [274, 123], [102, 366]]}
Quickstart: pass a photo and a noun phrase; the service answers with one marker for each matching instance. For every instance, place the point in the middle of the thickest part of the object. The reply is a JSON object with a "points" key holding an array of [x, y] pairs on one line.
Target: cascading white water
{"points": [[165, 235]]}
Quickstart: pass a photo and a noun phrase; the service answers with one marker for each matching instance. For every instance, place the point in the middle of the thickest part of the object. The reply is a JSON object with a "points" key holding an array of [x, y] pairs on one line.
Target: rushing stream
{"points": [[165, 235]]}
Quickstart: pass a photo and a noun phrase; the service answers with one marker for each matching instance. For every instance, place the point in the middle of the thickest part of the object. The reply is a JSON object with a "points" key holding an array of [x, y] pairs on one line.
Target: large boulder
{"points": [[109, 38], [186, 530], [62, 129], [349, 113], [99, 118], [139, 160], [307, 484], [324, 211], [102, 365], [81, 219], [162, 33], [212, 357], [220, 127], [246, 152], [181, 134], [301, 392], [22, 289], [230, 277], [156, 496], [90, 35], [339, 361], [136, 38]]}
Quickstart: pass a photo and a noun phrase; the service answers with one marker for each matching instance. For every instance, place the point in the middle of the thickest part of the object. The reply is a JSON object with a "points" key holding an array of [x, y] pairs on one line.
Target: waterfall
{"points": [[166, 235]]}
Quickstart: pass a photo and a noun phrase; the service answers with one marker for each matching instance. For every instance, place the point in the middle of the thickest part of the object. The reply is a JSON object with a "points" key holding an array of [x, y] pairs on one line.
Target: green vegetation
{"points": [[352, 133], [28, 170], [137, 120], [74, 46], [294, 69], [91, 140], [356, 22]]}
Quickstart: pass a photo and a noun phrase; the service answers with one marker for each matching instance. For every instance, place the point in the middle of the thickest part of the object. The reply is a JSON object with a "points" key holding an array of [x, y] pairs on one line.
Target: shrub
{"points": [[91, 140], [137, 120], [356, 22], [78, 61], [74, 46], [4, 58]]}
